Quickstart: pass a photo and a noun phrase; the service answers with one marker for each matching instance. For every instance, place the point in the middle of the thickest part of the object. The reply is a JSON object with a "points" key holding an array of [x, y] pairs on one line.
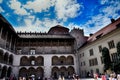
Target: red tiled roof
{"points": [[104, 31]]}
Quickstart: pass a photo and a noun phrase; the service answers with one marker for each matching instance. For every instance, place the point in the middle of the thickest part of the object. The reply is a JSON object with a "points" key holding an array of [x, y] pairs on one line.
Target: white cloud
{"points": [[1, 10], [103, 1], [103, 19], [96, 23], [1, 1], [38, 26], [111, 10], [64, 8], [17, 7], [67, 9], [39, 5]]}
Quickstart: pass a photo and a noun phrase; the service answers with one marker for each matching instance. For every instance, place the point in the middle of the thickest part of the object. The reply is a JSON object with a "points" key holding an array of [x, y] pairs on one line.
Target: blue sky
{"points": [[41, 15]]}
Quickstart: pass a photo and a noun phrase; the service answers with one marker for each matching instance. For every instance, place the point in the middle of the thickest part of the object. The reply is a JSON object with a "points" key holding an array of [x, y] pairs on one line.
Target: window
{"points": [[32, 51], [100, 48], [111, 44], [114, 57], [83, 54], [93, 62], [19, 51], [91, 52], [84, 63], [80, 55]]}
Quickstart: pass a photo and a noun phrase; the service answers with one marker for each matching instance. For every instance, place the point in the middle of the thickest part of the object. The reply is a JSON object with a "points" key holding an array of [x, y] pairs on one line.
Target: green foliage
{"points": [[118, 48], [106, 58]]}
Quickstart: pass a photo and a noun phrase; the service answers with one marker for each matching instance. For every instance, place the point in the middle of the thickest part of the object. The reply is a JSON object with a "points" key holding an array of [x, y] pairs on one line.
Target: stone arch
{"points": [[63, 71], [11, 59], [23, 72], [70, 71], [39, 72], [70, 60], [40, 60], [24, 61], [31, 71], [32, 60], [55, 72], [55, 60], [1, 55], [9, 72], [4, 71], [62, 60], [6, 58]]}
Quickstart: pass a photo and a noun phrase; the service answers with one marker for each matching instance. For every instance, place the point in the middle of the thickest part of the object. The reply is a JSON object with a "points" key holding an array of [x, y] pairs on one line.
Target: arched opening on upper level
{"points": [[40, 60], [24, 61], [55, 60], [11, 59]]}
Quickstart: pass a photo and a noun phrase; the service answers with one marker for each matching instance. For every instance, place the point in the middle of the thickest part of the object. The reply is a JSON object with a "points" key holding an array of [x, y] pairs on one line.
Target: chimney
{"points": [[90, 34], [112, 20]]}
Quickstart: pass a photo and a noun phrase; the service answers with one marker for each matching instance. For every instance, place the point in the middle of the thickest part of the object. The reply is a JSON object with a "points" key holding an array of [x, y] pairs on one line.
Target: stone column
{"points": [[1, 31], [10, 43], [6, 39], [14, 44]]}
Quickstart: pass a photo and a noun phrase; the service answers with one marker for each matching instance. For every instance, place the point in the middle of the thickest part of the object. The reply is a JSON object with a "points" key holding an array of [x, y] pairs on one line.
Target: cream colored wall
{"points": [[47, 63], [115, 35]]}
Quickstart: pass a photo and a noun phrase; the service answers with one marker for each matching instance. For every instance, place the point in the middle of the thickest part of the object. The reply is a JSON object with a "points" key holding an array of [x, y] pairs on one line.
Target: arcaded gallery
{"points": [[59, 51]]}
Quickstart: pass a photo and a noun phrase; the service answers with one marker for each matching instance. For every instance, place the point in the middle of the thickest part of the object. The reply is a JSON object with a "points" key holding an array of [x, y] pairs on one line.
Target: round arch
{"points": [[70, 60], [1, 55], [39, 72], [32, 60], [11, 59], [23, 72], [9, 72], [63, 71], [70, 71], [55, 72], [4, 71], [55, 60], [31, 71], [24, 61], [40, 60], [62, 60], [6, 57]]}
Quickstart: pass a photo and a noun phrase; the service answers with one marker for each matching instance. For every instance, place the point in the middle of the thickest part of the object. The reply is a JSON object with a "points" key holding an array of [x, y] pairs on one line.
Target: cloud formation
{"points": [[66, 9], [17, 7], [41, 15]]}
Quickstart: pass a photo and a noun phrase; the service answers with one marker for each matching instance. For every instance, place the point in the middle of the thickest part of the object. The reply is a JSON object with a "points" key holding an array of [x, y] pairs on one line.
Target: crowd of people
{"points": [[112, 76]]}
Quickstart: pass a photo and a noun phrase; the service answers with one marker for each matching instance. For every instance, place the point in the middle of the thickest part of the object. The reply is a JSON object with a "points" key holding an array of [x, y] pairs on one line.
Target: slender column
{"points": [[14, 45], [6, 39], [10, 42], [1, 31]]}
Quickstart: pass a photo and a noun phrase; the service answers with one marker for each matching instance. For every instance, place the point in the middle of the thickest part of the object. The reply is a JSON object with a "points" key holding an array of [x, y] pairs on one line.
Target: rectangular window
{"points": [[19, 51], [114, 57], [91, 52], [84, 63], [100, 48], [93, 62], [111, 44], [32, 51], [82, 54]]}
